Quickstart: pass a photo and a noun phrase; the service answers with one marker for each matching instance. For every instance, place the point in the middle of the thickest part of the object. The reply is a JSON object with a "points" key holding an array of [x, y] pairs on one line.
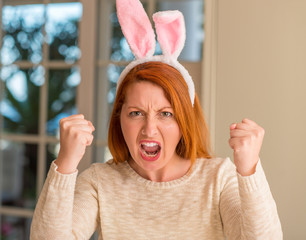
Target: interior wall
{"points": [[261, 74]]}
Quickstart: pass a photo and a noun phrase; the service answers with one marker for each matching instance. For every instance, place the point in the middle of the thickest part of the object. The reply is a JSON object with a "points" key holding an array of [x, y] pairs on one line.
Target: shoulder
{"points": [[215, 164], [215, 170], [105, 171]]}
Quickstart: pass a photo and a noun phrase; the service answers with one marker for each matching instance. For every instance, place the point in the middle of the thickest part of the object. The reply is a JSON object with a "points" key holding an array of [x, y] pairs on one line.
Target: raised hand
{"points": [[75, 136], [246, 139]]}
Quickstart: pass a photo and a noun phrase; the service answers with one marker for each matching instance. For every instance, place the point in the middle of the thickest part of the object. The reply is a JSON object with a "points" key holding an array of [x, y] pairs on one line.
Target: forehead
{"points": [[144, 92]]}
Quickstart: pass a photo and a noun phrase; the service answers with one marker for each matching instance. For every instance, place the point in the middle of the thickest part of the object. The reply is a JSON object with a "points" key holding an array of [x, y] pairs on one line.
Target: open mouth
{"points": [[150, 150]]}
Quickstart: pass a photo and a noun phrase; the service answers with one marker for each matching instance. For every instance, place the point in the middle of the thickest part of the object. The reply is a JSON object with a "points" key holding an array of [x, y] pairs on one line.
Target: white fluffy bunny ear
{"points": [[136, 27], [171, 32]]}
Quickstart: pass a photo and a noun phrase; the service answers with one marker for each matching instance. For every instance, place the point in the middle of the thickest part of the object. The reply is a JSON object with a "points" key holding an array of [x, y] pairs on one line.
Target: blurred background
{"points": [[64, 57]]}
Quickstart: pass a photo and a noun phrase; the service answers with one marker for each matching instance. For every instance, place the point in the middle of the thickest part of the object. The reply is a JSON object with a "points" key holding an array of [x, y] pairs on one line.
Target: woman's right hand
{"points": [[75, 136]]}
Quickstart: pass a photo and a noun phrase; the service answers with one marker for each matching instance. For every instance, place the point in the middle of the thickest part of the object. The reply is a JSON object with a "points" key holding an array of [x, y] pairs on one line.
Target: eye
{"points": [[135, 114], [166, 114]]}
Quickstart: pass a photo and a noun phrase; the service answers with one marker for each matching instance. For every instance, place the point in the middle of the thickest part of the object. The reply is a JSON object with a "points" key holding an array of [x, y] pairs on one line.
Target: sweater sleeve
{"points": [[247, 208], [67, 207]]}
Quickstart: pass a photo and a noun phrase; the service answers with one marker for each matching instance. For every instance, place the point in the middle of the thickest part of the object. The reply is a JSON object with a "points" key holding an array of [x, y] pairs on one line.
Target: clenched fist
{"points": [[246, 139], [75, 136]]}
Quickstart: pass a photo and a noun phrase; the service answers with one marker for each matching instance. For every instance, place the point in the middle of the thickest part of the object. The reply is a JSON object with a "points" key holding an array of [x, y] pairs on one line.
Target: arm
{"points": [[247, 204], [247, 208], [64, 211]]}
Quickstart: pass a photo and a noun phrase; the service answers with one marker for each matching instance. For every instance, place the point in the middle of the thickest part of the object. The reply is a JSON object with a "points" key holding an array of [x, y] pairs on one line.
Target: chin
{"points": [[149, 165]]}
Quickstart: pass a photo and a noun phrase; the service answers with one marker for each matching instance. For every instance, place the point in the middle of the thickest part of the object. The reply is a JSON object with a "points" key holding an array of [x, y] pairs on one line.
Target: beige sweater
{"points": [[213, 202]]}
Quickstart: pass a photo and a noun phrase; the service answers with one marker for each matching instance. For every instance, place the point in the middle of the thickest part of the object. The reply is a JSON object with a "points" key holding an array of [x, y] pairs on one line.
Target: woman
{"points": [[152, 189], [162, 182]]}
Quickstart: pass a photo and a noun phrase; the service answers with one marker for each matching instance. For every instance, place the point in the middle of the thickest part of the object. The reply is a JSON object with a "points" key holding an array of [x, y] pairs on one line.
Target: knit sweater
{"points": [[211, 202]]}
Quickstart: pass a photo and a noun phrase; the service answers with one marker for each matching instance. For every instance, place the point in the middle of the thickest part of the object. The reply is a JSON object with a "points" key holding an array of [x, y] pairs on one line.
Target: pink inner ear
{"points": [[171, 33], [136, 27], [170, 36]]}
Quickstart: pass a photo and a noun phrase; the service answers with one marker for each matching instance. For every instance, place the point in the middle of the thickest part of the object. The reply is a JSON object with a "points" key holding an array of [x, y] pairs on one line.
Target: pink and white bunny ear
{"points": [[171, 32], [136, 27]]}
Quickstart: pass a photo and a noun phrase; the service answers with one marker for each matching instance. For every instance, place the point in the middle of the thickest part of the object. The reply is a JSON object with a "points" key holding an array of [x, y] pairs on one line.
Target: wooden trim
{"points": [[208, 87], [88, 46], [26, 2], [18, 212], [43, 106]]}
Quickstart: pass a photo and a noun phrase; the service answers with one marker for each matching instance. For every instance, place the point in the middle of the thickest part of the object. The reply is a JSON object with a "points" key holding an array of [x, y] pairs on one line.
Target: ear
{"points": [[171, 32], [136, 27]]}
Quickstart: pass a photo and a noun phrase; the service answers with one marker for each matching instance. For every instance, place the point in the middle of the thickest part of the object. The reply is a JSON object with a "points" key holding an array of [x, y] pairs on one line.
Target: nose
{"points": [[150, 128]]}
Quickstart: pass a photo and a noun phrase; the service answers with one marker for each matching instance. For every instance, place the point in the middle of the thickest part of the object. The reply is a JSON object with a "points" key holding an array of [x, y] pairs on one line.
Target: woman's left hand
{"points": [[246, 139]]}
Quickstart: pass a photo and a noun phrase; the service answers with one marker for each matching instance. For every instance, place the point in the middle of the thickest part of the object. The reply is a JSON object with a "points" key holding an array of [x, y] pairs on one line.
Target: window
{"points": [[39, 76], [59, 58]]}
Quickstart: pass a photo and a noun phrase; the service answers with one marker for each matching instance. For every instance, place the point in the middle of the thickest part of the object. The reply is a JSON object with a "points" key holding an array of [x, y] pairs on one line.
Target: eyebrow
{"points": [[163, 108]]}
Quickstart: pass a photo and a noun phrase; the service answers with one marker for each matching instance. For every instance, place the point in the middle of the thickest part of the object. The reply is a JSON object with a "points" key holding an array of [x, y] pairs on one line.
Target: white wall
{"points": [[261, 74]]}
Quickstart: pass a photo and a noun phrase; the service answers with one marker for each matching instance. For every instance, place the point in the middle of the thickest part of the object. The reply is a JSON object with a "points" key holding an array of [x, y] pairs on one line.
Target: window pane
{"points": [[13, 228], [120, 50], [20, 102], [52, 152], [106, 93], [62, 31], [18, 174], [22, 38], [193, 14], [61, 96]]}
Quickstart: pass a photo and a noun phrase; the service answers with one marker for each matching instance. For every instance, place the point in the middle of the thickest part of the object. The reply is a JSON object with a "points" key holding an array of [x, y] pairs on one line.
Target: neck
{"points": [[173, 171]]}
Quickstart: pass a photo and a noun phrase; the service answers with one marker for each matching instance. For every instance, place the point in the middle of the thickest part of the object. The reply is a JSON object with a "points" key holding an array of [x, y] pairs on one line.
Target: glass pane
{"points": [[13, 228], [102, 154], [22, 33], [61, 96], [113, 73], [193, 14], [120, 50], [62, 31], [20, 102], [52, 152], [18, 174], [106, 93]]}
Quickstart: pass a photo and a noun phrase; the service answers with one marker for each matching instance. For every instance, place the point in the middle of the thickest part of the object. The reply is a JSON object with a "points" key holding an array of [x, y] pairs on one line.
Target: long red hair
{"points": [[195, 140]]}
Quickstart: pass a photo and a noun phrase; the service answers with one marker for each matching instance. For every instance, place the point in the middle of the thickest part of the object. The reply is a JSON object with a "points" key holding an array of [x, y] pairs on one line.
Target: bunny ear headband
{"points": [[171, 35]]}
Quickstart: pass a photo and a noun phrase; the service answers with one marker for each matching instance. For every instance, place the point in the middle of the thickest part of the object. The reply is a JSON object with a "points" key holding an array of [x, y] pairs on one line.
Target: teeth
{"points": [[152, 144], [149, 155]]}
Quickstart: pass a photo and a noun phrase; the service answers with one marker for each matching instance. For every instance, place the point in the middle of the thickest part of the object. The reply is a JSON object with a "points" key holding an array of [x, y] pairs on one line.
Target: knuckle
{"points": [[255, 135], [62, 121], [260, 132], [90, 139], [73, 131], [243, 142], [80, 138], [78, 135], [64, 125]]}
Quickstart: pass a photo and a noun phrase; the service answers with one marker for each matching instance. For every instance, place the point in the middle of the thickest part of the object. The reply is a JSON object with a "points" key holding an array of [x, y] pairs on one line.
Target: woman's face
{"points": [[150, 129]]}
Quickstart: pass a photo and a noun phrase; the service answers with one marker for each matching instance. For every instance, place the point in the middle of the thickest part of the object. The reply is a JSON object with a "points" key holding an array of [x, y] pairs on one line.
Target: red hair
{"points": [[194, 142]]}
